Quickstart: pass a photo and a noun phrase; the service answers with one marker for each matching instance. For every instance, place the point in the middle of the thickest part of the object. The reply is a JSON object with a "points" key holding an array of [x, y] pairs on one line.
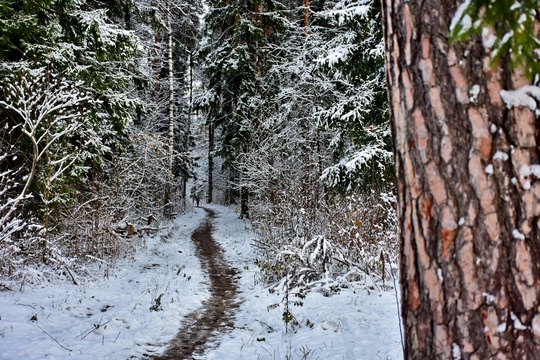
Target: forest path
{"points": [[216, 315]]}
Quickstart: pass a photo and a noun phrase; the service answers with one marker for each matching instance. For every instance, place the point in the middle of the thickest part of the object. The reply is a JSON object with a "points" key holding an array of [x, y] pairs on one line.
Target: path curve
{"points": [[216, 315]]}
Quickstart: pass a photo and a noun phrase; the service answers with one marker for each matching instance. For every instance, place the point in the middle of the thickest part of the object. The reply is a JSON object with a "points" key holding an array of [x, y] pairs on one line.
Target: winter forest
{"points": [[342, 179], [116, 117], [119, 117]]}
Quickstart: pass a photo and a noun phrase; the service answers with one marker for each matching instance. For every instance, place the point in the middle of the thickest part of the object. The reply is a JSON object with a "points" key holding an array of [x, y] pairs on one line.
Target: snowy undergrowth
{"points": [[329, 247], [109, 317], [359, 322]]}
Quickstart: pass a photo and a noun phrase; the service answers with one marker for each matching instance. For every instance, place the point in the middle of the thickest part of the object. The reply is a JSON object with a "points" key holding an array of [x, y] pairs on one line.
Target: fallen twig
{"points": [[62, 346], [96, 327], [33, 307], [70, 273], [259, 244], [97, 259]]}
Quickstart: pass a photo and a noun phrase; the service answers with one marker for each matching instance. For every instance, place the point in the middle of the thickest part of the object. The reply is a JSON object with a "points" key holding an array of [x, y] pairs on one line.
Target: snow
{"points": [[517, 323], [355, 324], [525, 96], [515, 6], [475, 90], [524, 170], [500, 155], [516, 234], [506, 37], [489, 298], [535, 170], [488, 38], [489, 169], [108, 317], [524, 176], [460, 18], [117, 307], [456, 351]]}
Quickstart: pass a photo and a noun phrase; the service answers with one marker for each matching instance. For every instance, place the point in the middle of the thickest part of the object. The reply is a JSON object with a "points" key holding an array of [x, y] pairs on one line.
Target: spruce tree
{"points": [[352, 58], [236, 58]]}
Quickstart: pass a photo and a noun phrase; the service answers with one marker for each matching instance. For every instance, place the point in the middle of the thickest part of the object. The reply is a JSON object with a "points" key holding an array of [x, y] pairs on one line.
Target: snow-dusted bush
{"points": [[124, 201], [329, 246], [40, 124], [46, 175]]}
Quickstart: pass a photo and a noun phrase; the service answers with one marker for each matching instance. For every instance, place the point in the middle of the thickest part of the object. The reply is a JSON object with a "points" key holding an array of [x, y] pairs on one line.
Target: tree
{"points": [[324, 106], [171, 152], [238, 34], [49, 109], [67, 68], [466, 156], [81, 43], [175, 29], [353, 57]]}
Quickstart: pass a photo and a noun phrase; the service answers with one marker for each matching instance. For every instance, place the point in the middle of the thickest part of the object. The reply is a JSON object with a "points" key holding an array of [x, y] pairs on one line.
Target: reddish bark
{"points": [[470, 223]]}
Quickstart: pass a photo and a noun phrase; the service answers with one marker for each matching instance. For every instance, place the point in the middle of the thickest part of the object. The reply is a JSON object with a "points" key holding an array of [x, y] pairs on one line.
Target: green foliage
{"points": [[80, 41], [66, 68], [352, 58], [23, 23], [513, 25], [353, 55], [236, 58]]}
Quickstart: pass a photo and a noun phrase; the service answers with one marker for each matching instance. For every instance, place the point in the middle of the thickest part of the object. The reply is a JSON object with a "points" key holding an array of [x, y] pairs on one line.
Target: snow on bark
{"points": [[526, 96]]}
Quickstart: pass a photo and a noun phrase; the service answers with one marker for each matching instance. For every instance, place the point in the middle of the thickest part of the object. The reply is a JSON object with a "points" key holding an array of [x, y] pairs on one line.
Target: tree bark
{"points": [[468, 206], [307, 5], [157, 65], [244, 191], [188, 129], [168, 186], [210, 192]]}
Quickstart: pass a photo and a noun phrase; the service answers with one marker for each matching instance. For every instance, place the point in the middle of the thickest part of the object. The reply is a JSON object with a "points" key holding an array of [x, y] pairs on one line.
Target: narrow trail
{"points": [[216, 314]]}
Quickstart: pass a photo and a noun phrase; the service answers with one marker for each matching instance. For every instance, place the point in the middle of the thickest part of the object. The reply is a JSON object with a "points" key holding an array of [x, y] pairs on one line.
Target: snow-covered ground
{"points": [[110, 317], [355, 324]]}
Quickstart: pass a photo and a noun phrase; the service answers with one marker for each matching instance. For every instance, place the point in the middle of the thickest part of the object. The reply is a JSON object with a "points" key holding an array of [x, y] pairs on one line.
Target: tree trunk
{"points": [[157, 66], [244, 190], [244, 202], [188, 129], [259, 59], [168, 186], [306, 17], [467, 202], [210, 163]]}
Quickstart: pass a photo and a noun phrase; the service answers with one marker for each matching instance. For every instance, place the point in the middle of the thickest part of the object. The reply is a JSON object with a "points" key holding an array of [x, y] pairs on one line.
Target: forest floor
{"points": [[211, 291]]}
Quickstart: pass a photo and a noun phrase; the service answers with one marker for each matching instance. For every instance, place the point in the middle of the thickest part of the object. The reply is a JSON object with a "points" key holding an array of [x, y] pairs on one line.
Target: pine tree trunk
{"points": [[306, 186], [244, 202], [306, 17], [468, 207]]}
